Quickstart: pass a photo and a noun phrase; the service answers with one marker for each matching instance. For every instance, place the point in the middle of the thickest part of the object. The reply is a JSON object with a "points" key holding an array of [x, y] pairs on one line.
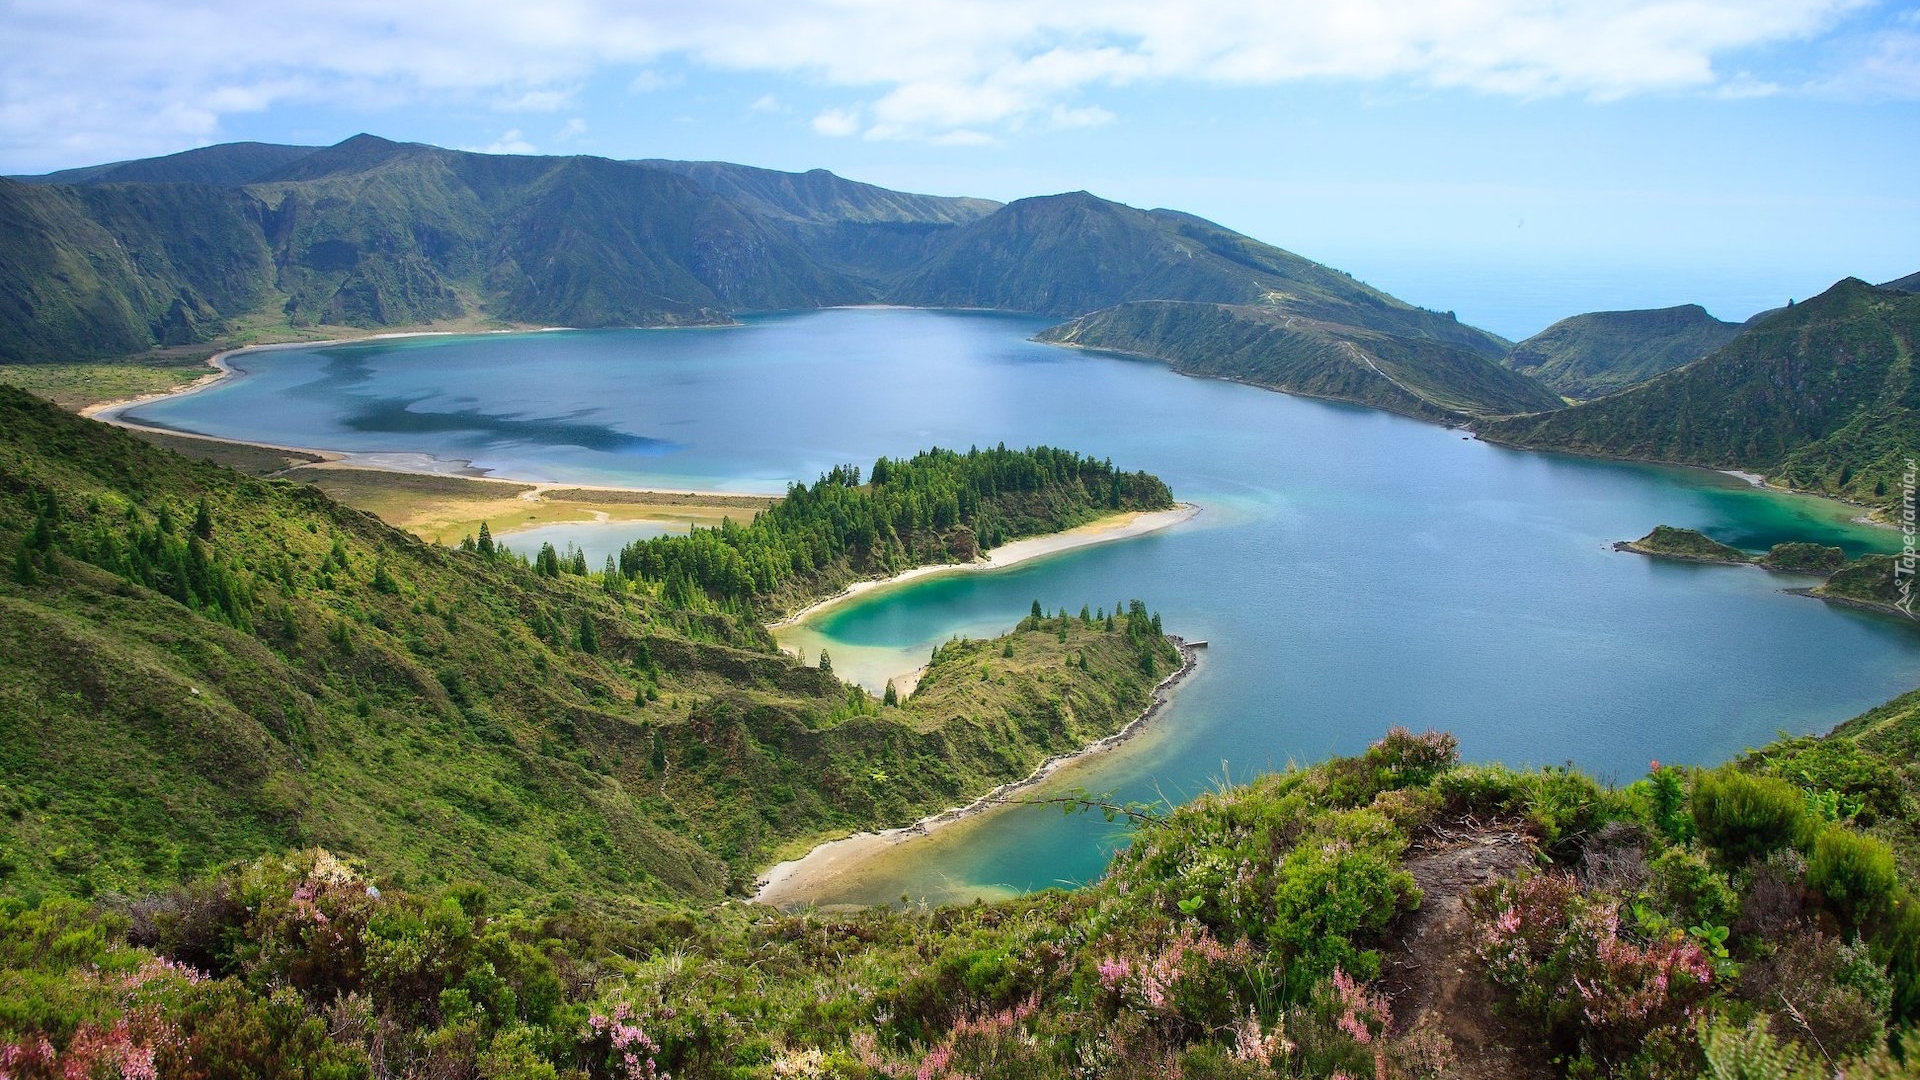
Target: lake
{"points": [[1352, 569]]}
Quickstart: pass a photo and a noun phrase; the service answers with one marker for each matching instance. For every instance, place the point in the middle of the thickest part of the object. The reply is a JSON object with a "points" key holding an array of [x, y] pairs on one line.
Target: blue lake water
{"points": [[1352, 569]]}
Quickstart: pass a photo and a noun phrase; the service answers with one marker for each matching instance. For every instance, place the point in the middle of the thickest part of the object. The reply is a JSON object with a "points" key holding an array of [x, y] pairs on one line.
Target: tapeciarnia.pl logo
{"points": [[1903, 567]]}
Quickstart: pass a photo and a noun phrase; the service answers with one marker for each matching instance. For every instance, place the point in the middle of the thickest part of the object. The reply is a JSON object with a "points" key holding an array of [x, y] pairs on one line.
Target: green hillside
{"points": [[1821, 396], [1391, 914], [376, 233], [199, 666], [1266, 346], [114, 270], [870, 234], [1604, 352], [1076, 253]]}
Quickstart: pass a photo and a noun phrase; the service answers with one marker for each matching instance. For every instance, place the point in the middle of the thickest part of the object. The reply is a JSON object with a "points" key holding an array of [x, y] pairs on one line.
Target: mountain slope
{"points": [[1075, 253], [196, 666], [1821, 395], [1417, 377], [116, 269], [1603, 352], [819, 197], [868, 233]]}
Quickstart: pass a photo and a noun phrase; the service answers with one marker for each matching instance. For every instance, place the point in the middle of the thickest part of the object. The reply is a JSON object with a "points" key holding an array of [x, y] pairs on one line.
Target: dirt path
{"points": [[1430, 968]]}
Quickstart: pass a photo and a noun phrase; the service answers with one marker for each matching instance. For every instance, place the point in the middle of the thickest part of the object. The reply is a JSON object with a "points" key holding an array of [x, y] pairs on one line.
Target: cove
{"points": [[1352, 569]]}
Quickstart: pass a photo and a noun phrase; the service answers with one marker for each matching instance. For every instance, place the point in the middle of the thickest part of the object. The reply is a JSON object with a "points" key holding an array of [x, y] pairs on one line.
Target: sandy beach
{"points": [[1117, 527], [801, 881], [798, 882]]}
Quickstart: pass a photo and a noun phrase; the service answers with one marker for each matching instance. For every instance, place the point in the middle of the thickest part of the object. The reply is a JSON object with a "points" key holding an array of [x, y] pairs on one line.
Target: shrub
{"points": [[1744, 817], [1608, 996], [1853, 871], [1688, 891], [1414, 759], [1830, 996]]}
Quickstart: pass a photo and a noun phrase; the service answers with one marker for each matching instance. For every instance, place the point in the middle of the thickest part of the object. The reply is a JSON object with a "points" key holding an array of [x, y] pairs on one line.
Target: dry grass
{"points": [[444, 509]]}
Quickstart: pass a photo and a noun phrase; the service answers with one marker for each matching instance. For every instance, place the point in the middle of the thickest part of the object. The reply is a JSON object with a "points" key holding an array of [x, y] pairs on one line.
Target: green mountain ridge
{"points": [[225, 165], [372, 233], [1603, 352], [1266, 346], [1821, 396]]}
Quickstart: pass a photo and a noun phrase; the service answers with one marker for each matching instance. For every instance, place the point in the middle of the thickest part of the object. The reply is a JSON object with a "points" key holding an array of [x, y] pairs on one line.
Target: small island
{"points": [[1870, 582], [1685, 545]]}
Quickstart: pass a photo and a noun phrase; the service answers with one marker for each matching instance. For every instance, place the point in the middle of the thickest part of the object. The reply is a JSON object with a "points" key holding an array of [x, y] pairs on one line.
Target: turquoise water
{"points": [[597, 540], [1352, 569]]}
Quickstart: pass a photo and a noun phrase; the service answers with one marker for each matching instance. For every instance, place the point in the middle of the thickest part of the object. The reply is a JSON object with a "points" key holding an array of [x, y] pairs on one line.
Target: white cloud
{"points": [[552, 100], [767, 103], [571, 130], [513, 142], [837, 122], [147, 74], [648, 81]]}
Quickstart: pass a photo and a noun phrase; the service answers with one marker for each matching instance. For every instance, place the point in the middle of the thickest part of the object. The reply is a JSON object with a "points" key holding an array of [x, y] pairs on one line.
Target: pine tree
{"points": [[23, 571], [892, 696], [826, 662], [485, 543], [203, 520]]}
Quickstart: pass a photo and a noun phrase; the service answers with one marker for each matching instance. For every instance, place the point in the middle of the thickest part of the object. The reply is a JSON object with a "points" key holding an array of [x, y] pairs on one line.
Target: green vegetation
{"points": [[1239, 936], [1418, 365], [1688, 545], [1605, 352], [1804, 558], [1875, 582], [1820, 396], [76, 386], [200, 666], [939, 506]]}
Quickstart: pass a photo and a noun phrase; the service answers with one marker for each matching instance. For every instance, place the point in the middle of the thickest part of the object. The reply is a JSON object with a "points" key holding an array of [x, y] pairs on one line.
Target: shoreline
{"points": [[114, 412], [1121, 526], [1753, 480], [795, 882]]}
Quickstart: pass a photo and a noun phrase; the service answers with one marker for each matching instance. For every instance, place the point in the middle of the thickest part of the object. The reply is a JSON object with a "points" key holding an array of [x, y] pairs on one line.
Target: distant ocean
{"points": [[1518, 300]]}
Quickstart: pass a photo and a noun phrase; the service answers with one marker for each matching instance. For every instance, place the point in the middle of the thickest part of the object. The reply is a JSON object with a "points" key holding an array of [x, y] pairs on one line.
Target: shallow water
{"points": [[1352, 569]]}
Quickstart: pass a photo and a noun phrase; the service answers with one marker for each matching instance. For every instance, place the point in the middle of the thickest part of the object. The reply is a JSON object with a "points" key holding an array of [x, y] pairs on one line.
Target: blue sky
{"points": [[1515, 160]]}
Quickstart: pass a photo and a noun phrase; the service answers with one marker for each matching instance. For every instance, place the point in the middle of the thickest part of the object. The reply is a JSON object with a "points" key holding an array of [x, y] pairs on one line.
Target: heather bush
{"points": [[1829, 995], [1600, 993]]}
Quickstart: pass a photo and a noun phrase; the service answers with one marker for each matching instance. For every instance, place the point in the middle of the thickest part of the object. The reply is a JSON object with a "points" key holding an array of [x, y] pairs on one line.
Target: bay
{"points": [[1352, 569]]}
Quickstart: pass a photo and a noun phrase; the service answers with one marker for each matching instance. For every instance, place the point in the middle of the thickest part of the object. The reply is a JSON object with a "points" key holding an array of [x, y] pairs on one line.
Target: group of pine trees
{"points": [[938, 506]]}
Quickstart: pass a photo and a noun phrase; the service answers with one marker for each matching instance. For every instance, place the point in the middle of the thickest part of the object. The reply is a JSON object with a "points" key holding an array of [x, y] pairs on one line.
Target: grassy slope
{"points": [[1426, 378], [1261, 929], [1821, 396], [1604, 352], [453, 723]]}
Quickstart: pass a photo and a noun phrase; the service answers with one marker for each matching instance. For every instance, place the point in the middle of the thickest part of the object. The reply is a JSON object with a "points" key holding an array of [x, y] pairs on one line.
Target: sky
{"points": [[1513, 160]]}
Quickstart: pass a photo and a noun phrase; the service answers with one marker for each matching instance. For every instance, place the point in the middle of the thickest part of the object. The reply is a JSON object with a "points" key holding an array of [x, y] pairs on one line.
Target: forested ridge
{"points": [[935, 507]]}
